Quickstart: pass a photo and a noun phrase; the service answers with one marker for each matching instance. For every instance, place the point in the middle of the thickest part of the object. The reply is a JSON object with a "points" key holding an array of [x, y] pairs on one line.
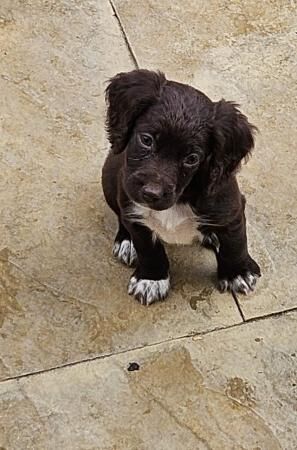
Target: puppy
{"points": [[170, 177]]}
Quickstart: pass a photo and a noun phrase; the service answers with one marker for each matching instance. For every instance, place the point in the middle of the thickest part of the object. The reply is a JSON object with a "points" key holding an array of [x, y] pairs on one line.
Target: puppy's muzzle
{"points": [[157, 196]]}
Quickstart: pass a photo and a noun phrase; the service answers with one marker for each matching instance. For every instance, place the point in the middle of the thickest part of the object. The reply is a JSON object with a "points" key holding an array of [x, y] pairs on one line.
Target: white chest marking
{"points": [[176, 225]]}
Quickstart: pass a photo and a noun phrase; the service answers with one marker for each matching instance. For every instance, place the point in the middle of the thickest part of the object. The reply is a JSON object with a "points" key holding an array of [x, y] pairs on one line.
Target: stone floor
{"points": [[211, 375]]}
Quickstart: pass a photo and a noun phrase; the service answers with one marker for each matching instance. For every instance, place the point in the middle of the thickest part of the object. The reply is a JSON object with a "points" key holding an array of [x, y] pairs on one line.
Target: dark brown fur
{"points": [[157, 128]]}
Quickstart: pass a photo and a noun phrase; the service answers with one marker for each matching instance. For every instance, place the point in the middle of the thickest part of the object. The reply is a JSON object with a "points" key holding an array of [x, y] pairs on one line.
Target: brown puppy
{"points": [[170, 176]]}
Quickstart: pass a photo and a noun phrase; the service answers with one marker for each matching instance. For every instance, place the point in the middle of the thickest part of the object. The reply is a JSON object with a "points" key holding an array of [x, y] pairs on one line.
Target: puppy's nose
{"points": [[152, 192]]}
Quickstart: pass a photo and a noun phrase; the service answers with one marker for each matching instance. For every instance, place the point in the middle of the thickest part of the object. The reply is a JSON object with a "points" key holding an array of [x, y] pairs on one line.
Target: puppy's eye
{"points": [[146, 140], [191, 160]]}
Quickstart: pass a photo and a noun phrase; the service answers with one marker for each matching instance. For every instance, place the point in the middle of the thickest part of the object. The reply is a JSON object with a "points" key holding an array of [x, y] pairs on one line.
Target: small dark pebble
{"points": [[258, 339], [133, 366]]}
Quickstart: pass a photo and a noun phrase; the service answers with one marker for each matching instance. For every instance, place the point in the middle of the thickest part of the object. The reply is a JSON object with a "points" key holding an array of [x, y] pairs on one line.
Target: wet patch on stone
{"points": [[203, 296], [172, 382], [241, 390]]}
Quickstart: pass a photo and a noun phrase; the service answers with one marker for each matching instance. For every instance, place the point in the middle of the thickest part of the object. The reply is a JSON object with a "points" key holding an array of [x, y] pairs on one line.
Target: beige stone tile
{"points": [[243, 51], [231, 389], [175, 36], [42, 327], [62, 296]]}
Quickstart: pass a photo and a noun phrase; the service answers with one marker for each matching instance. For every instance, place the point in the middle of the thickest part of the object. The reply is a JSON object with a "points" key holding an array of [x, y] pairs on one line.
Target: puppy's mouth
{"points": [[159, 202], [158, 206]]}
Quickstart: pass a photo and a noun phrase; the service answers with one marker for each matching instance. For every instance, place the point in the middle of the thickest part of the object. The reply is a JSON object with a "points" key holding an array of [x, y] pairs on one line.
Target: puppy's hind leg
{"points": [[123, 248]]}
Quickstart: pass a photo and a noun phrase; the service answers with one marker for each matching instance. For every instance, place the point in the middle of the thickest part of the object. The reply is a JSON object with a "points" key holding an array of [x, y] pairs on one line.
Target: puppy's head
{"points": [[172, 134]]}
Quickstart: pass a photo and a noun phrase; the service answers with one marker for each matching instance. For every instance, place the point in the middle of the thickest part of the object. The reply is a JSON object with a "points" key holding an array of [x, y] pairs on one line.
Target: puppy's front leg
{"points": [[150, 281], [237, 271]]}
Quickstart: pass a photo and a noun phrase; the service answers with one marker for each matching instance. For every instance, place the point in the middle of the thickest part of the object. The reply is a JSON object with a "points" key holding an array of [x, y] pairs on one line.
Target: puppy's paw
{"points": [[211, 242], [241, 280], [148, 291], [125, 252], [243, 284]]}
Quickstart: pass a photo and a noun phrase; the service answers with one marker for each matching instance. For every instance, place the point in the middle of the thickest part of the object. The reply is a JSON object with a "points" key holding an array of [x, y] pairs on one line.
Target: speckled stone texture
{"points": [[219, 391], [68, 329]]}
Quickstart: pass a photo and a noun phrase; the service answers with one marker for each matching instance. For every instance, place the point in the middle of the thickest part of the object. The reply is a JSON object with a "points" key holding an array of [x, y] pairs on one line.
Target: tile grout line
{"points": [[270, 315], [116, 353], [235, 298], [129, 46], [153, 344]]}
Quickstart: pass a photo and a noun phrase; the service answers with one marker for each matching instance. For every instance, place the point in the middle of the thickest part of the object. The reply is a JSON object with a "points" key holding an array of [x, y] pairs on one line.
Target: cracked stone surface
{"points": [[186, 395], [69, 297], [63, 296]]}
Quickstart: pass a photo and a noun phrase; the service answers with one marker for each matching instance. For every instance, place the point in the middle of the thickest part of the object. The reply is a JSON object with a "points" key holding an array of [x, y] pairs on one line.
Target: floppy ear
{"points": [[232, 140], [128, 95]]}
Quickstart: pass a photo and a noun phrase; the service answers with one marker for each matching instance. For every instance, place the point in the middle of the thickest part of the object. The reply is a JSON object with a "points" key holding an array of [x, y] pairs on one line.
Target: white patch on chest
{"points": [[176, 225]]}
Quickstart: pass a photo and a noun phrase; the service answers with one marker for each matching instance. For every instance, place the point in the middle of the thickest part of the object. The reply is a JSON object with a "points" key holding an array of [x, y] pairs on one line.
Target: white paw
{"points": [[242, 283], [148, 291], [125, 252]]}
